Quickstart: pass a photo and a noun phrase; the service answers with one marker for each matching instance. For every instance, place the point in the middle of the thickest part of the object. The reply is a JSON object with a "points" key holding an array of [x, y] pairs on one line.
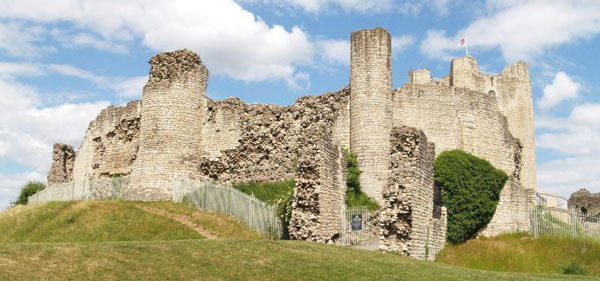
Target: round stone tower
{"points": [[371, 107], [171, 125]]}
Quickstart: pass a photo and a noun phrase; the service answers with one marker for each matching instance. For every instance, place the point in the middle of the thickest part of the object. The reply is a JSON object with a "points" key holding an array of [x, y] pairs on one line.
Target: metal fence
{"points": [[564, 223], [90, 189], [357, 226], [224, 199]]}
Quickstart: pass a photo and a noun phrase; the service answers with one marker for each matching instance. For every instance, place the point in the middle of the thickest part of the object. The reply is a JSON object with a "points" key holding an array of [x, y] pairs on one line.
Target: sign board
{"points": [[356, 222]]}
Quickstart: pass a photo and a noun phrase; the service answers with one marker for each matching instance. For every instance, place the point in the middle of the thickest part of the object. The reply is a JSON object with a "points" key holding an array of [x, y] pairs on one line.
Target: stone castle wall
{"points": [[371, 107], [111, 143], [63, 159], [411, 222], [320, 187], [171, 125]]}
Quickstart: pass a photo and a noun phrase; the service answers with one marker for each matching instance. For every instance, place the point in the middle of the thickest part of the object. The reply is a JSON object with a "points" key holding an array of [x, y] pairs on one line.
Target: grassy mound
{"points": [[521, 253], [224, 260], [101, 221]]}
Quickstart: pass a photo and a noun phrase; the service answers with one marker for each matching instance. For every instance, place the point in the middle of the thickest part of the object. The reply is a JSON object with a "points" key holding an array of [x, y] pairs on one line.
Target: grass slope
{"points": [[521, 253], [224, 260]]}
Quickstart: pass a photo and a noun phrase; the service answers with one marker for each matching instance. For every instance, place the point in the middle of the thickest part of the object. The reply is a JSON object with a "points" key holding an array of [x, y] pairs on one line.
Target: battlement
{"points": [[172, 66], [419, 76]]}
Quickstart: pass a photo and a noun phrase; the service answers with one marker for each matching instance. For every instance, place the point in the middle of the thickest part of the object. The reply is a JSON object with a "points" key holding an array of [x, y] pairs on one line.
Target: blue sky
{"points": [[61, 64]]}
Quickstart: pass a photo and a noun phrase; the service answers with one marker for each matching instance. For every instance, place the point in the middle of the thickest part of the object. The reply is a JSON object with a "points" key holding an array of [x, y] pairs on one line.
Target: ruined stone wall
{"points": [[459, 118], [513, 91], [408, 220], [171, 125], [585, 202], [63, 159], [320, 187], [370, 106], [111, 143], [267, 136]]}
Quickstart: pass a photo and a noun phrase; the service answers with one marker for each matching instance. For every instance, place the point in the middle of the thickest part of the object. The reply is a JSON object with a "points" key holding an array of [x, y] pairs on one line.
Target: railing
{"points": [[105, 188], [564, 223], [357, 226], [224, 199]]}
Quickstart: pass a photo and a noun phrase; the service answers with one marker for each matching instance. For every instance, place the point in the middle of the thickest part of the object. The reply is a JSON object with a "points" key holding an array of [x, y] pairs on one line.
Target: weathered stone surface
{"points": [[63, 158], [411, 221], [320, 187], [585, 202], [176, 131]]}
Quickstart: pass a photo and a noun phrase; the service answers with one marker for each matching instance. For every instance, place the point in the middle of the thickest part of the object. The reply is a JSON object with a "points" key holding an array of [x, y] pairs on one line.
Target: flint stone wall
{"points": [[410, 221], [320, 187], [63, 159], [585, 202], [264, 138]]}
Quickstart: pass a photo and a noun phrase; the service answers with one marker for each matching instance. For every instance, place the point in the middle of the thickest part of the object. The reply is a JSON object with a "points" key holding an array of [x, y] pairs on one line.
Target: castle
{"points": [[176, 131]]}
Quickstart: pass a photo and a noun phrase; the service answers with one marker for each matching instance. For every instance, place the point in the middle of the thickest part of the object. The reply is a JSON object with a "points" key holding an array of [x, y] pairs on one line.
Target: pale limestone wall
{"points": [[370, 107], [458, 118], [320, 187], [63, 158], [222, 129], [110, 144], [173, 113], [513, 90], [410, 220]]}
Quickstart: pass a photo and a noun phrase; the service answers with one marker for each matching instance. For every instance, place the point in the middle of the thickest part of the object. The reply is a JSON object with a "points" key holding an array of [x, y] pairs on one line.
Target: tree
{"points": [[470, 191], [29, 189]]}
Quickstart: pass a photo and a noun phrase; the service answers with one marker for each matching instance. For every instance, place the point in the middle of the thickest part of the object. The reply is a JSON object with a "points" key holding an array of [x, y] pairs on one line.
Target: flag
{"points": [[462, 41]]}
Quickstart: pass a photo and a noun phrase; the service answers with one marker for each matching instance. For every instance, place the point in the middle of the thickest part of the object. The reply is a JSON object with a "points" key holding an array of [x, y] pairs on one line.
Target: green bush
{"points": [[354, 195], [470, 191], [574, 268], [279, 194], [28, 189]]}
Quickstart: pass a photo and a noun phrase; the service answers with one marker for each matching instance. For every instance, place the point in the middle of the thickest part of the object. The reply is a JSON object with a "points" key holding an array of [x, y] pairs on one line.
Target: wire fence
{"points": [[224, 199], [564, 223], [90, 189], [357, 226]]}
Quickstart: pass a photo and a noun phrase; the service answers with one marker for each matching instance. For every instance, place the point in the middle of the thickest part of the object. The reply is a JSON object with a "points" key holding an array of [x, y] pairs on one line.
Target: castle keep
{"points": [[176, 131]]}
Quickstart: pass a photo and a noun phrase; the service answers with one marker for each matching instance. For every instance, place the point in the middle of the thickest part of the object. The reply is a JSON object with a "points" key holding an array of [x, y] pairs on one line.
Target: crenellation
{"points": [[175, 131]]}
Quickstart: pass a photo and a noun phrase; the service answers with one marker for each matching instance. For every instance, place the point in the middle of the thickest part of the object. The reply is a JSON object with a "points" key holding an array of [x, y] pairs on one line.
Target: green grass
{"points": [[520, 253], [267, 192], [224, 260]]}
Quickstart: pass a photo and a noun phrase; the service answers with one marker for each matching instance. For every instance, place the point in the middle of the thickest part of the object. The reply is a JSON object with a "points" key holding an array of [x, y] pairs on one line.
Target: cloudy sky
{"points": [[60, 64]]}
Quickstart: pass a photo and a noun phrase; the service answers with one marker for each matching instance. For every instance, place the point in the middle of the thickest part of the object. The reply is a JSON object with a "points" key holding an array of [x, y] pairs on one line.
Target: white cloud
{"points": [[400, 43], [440, 7], [10, 185], [334, 51], [578, 138], [129, 87], [521, 29], [561, 89], [69, 70], [568, 175], [19, 39], [10, 69], [320, 6], [229, 39], [78, 40]]}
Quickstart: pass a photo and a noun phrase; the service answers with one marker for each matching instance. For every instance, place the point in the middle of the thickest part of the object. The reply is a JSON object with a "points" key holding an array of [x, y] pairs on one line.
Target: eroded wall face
{"points": [[411, 222], [171, 128], [63, 159], [320, 187], [370, 107], [111, 143], [260, 142]]}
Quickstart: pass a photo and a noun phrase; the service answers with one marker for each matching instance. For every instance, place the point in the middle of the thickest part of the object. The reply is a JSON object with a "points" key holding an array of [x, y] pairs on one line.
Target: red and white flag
{"points": [[462, 41]]}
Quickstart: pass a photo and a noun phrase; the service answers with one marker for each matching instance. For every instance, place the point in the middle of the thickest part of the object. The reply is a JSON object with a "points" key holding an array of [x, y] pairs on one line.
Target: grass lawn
{"points": [[225, 260], [521, 253]]}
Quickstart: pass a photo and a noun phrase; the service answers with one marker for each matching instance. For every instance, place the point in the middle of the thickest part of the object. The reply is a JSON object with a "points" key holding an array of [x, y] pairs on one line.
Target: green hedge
{"points": [[470, 191]]}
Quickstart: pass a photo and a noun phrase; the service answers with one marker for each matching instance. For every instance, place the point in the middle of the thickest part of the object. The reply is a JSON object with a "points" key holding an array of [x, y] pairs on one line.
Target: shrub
{"points": [[354, 195], [28, 189], [574, 268], [470, 191]]}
